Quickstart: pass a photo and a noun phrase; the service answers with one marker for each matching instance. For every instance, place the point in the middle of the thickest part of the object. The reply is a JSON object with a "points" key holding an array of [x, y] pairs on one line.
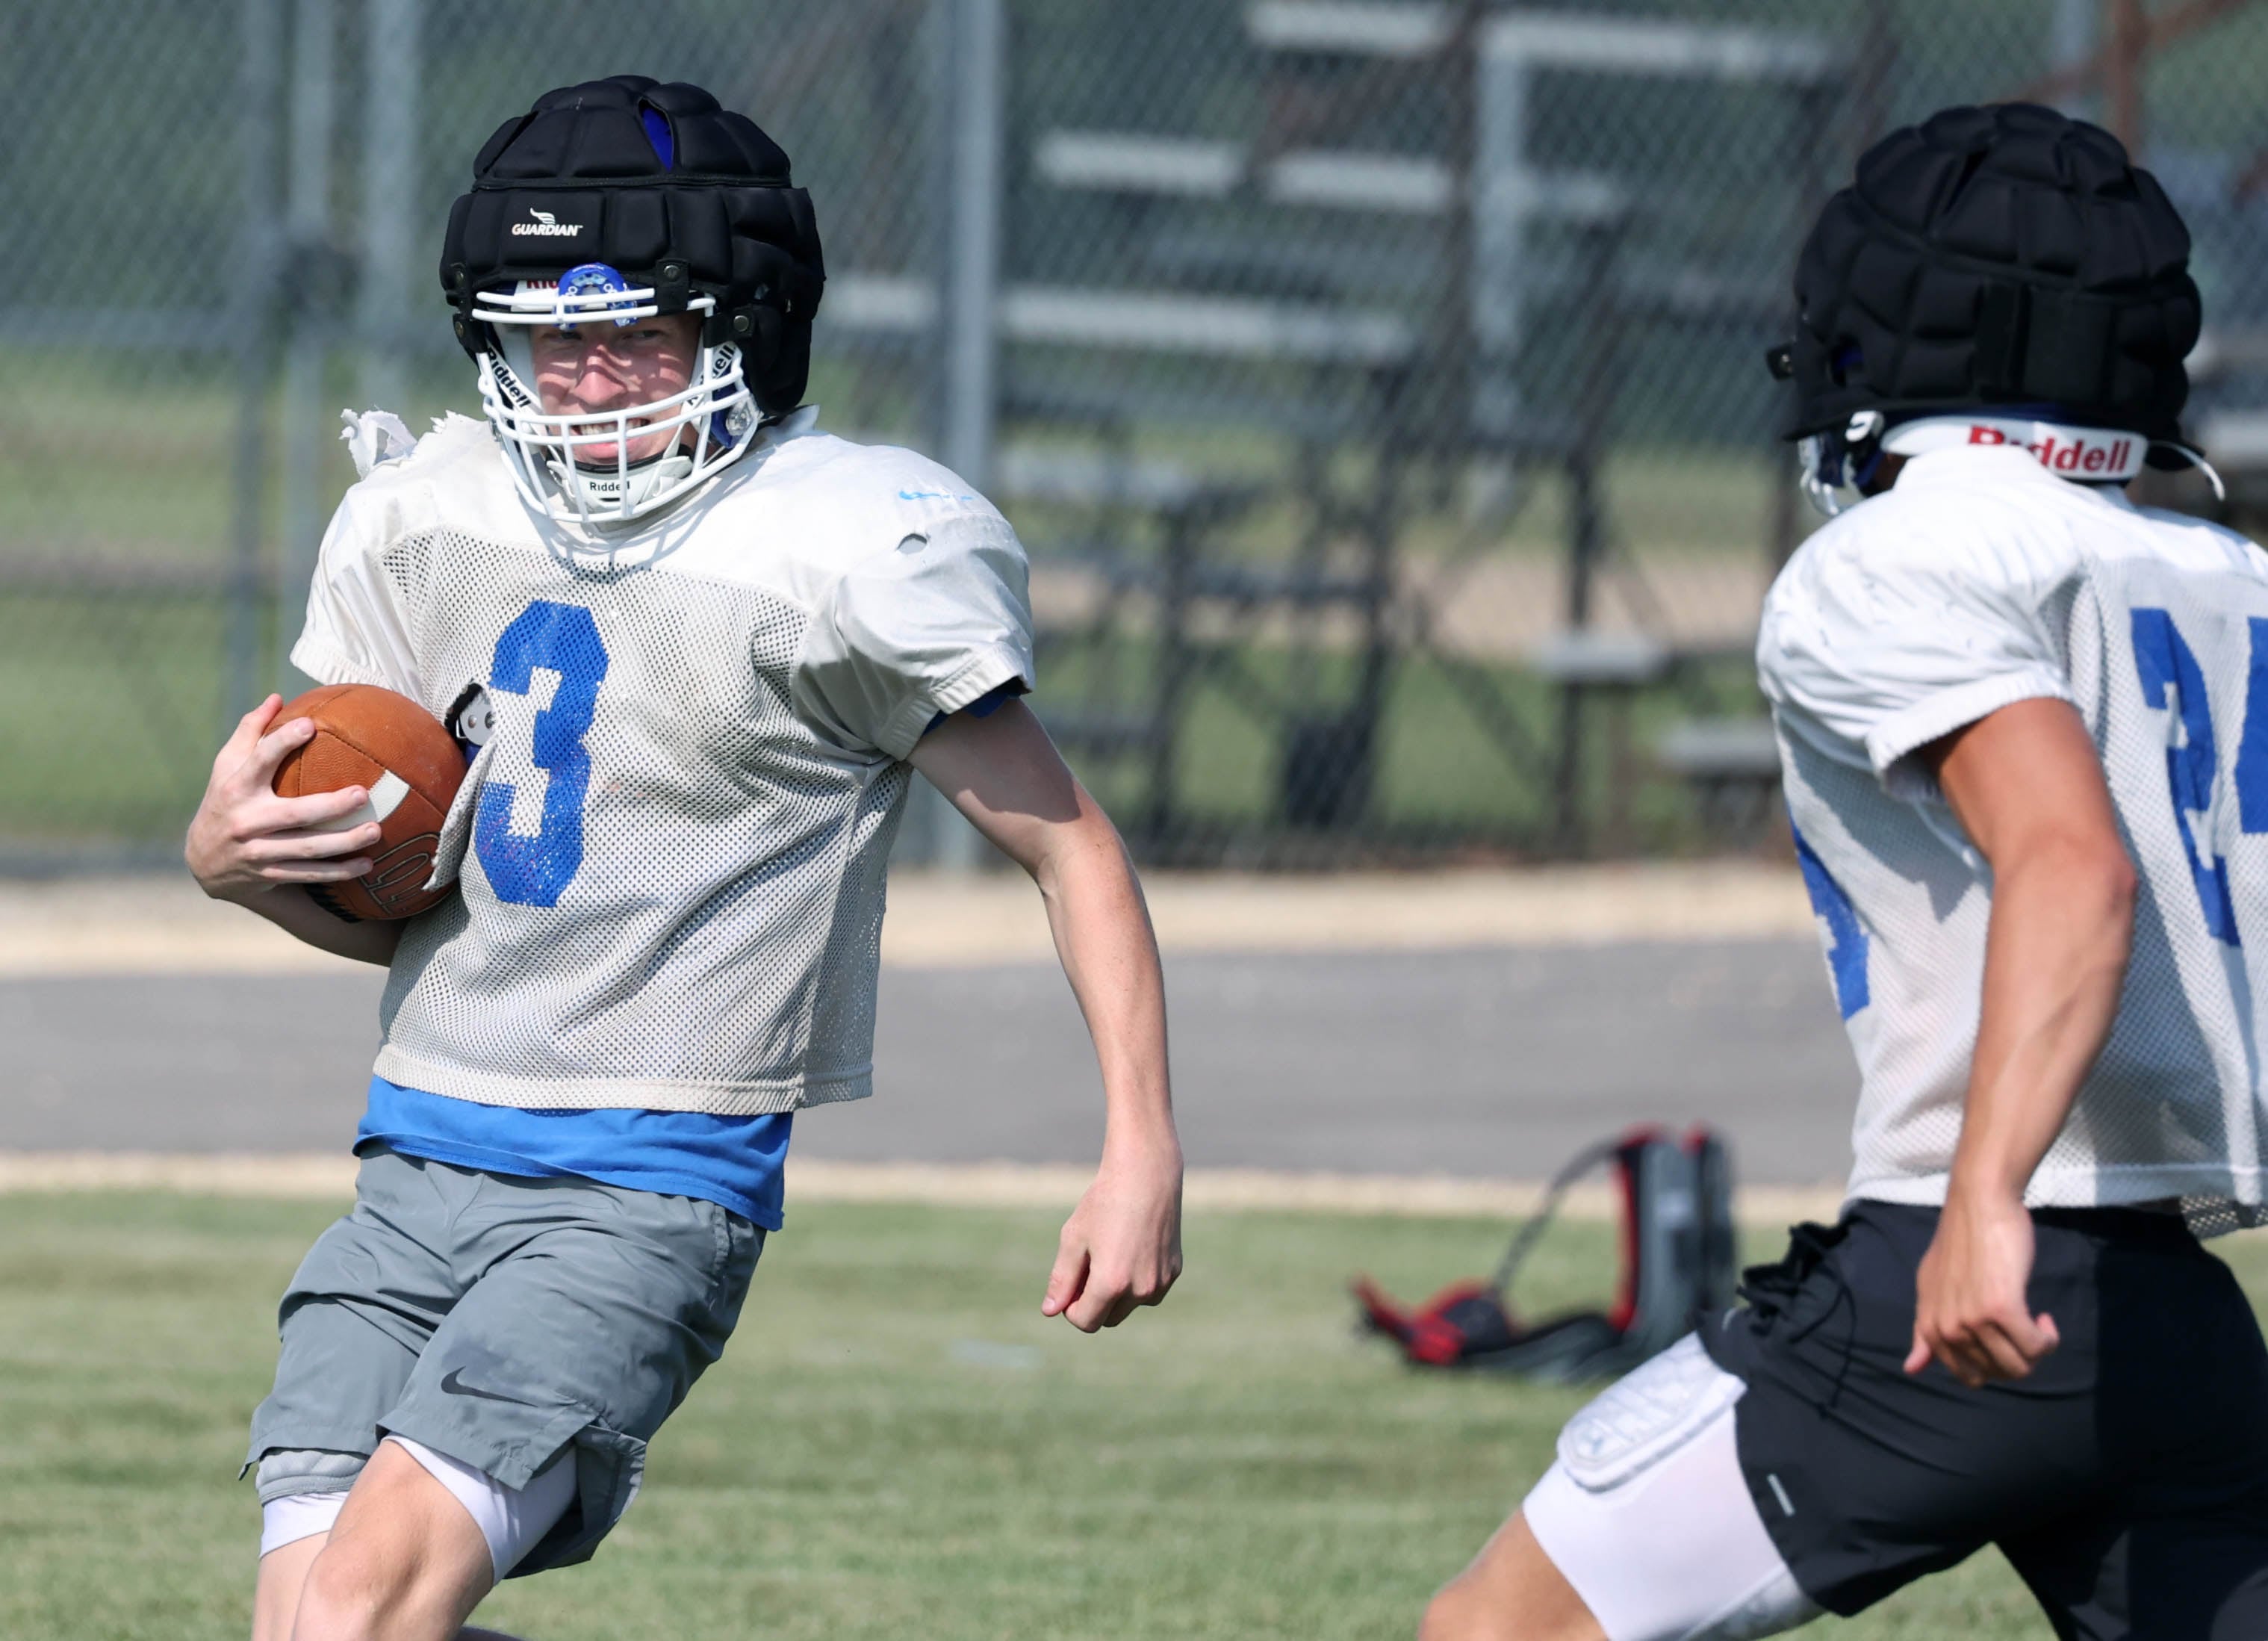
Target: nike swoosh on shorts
{"points": [[455, 1385]]}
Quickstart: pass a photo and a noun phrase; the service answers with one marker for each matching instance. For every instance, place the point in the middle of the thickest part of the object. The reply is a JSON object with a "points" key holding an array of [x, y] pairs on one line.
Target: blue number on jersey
{"points": [[2165, 661], [565, 639], [1846, 950], [2252, 751]]}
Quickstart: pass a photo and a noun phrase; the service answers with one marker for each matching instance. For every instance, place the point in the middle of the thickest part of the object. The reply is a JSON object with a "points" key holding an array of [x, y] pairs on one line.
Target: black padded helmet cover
{"points": [[1999, 255], [668, 187]]}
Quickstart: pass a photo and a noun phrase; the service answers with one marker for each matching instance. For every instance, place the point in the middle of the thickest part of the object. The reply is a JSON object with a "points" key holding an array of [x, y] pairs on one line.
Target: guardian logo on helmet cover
{"points": [[546, 225]]}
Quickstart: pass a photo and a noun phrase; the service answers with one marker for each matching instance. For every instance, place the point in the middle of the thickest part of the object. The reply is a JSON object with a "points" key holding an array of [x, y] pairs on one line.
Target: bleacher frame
{"points": [[1486, 195]]}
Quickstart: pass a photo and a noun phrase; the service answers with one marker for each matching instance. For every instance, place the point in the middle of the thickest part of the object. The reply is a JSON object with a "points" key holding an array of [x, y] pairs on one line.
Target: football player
{"points": [[2023, 724], [696, 648]]}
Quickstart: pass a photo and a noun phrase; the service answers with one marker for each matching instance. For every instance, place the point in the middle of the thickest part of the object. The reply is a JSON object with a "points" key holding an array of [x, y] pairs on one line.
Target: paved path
{"points": [[160, 924], [1491, 1062]]}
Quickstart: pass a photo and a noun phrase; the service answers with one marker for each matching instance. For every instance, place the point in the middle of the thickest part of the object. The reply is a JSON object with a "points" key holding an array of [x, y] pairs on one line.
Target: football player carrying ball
{"points": [[696, 648]]}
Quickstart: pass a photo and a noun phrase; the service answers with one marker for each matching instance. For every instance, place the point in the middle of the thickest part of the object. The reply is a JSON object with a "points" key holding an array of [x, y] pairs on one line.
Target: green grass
{"points": [[113, 713], [895, 1445], [118, 459]]}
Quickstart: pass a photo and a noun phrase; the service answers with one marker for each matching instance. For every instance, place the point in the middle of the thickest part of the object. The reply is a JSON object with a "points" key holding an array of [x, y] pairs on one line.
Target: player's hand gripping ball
{"points": [[367, 736]]}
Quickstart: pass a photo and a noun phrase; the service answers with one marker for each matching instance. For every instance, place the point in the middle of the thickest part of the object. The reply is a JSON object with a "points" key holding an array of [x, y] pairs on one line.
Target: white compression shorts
{"points": [[1647, 1515], [512, 1519]]}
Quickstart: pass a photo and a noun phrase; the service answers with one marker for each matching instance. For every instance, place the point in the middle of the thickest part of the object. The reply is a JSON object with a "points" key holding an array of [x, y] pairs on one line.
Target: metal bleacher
{"points": [[1423, 377]]}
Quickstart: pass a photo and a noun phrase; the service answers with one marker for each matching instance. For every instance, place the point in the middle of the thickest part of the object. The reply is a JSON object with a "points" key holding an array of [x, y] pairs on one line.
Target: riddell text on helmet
{"points": [[2065, 448], [2074, 452]]}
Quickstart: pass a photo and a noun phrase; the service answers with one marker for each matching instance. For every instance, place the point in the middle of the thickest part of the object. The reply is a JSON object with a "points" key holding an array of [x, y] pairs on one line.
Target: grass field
{"points": [[895, 1446]]}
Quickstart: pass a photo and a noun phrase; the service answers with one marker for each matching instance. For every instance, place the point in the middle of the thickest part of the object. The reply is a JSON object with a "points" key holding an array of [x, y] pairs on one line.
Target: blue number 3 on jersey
{"points": [[562, 638]]}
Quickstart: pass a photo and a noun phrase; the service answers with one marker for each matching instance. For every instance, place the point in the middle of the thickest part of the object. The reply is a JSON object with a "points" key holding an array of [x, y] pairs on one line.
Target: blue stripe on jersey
{"points": [[1846, 950], [734, 1161]]}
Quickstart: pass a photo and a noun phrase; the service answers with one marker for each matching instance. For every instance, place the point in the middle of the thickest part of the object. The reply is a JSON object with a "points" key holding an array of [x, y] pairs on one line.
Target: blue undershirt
{"points": [[734, 1161]]}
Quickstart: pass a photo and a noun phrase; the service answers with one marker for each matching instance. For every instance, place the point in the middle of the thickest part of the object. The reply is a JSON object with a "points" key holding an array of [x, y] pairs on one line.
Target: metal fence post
{"points": [[258, 82], [972, 259], [308, 305], [972, 88], [387, 253], [2075, 34]]}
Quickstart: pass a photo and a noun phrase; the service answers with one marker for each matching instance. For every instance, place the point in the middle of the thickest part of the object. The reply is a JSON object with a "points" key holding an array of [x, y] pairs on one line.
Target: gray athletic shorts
{"points": [[497, 1320]]}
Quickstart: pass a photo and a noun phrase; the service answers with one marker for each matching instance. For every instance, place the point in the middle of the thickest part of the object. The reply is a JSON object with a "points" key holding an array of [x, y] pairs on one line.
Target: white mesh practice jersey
{"points": [[1979, 580], [673, 844]]}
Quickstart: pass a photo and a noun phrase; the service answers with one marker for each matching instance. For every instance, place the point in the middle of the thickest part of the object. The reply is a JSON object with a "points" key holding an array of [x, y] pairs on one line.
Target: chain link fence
{"points": [[1376, 383]]}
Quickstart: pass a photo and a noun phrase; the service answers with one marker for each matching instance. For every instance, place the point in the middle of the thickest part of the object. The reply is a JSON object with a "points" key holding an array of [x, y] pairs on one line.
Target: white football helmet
{"points": [[712, 419]]}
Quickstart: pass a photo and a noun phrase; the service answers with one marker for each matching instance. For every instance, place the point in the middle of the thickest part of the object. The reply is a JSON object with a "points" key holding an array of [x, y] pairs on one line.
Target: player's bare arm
{"points": [[248, 845], [1121, 1247], [2027, 785], [2012, 707]]}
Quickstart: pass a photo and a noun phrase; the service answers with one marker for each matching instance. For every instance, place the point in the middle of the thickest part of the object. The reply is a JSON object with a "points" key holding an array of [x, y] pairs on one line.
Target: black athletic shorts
{"points": [[2126, 1477]]}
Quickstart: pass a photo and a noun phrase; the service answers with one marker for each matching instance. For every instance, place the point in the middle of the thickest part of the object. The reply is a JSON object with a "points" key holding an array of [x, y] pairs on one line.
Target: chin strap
{"points": [[612, 490], [2196, 459]]}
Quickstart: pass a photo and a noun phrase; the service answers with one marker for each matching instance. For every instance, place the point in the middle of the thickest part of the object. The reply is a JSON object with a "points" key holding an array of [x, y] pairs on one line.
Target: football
{"points": [[367, 736]]}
